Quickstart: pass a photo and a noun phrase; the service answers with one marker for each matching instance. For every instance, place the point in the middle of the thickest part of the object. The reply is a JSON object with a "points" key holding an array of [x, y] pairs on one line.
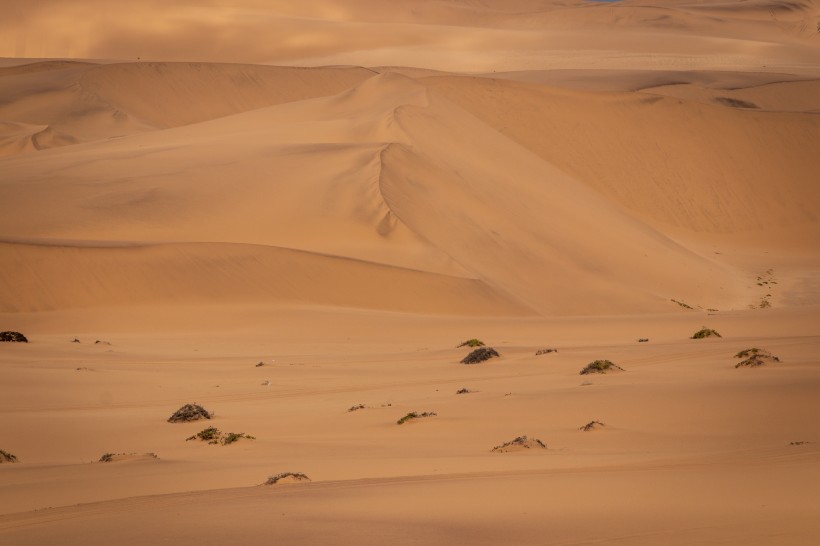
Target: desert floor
{"points": [[293, 214]]}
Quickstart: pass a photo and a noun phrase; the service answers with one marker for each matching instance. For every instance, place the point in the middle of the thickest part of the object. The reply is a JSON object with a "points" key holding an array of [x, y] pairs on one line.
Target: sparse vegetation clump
{"points": [[287, 476], [736, 103], [471, 343], [592, 425], [755, 357], [480, 355], [357, 407], [521, 442], [259, 364], [6, 457], [111, 457], [705, 332], [540, 352], [643, 340], [214, 436], [682, 304], [231, 437], [463, 391], [189, 412], [15, 337], [415, 415], [600, 366]]}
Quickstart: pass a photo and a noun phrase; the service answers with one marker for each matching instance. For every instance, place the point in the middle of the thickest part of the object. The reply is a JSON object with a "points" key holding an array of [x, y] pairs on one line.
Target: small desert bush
{"points": [[480, 355], [682, 304], [6, 457], [415, 415], [754, 357], [471, 343], [705, 332], [298, 476], [592, 425], [13, 337], [214, 436], [189, 412], [520, 441], [599, 366]]}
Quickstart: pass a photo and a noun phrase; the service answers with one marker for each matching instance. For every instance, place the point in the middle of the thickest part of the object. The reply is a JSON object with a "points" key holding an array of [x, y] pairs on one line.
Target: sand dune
{"points": [[76, 277], [282, 210], [427, 168]]}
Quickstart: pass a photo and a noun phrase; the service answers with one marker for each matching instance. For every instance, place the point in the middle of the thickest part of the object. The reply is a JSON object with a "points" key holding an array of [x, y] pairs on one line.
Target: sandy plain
{"points": [[344, 192]]}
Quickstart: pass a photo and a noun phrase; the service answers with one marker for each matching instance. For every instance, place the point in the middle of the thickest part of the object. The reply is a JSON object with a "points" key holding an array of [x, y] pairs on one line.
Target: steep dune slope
{"points": [[705, 168], [527, 227]]}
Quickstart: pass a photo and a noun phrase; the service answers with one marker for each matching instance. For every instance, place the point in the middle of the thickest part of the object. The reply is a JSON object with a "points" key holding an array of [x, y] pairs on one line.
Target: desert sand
{"points": [[293, 213]]}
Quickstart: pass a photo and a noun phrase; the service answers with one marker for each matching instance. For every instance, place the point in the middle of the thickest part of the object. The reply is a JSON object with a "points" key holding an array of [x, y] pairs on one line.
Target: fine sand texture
{"points": [[293, 214]]}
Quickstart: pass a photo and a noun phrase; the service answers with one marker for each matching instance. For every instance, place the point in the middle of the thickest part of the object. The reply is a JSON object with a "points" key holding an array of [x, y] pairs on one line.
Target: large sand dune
{"points": [[288, 210]]}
